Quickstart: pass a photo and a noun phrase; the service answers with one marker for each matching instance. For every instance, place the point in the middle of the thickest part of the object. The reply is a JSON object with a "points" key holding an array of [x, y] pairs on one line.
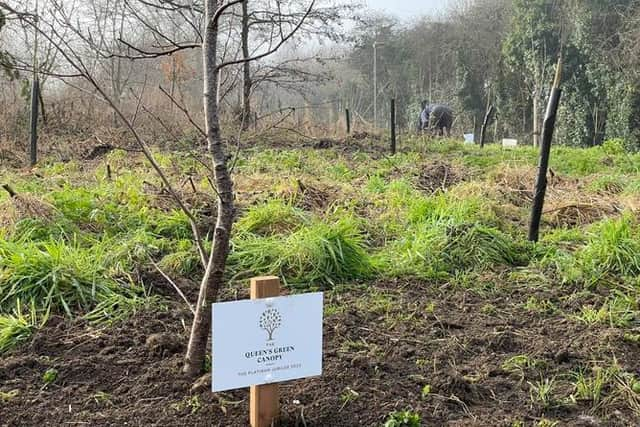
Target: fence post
{"points": [[483, 131], [545, 151], [348, 118], [264, 402], [35, 88], [393, 126]]}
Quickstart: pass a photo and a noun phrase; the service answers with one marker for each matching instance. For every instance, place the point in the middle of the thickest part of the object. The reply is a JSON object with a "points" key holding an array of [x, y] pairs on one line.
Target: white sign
{"points": [[469, 138], [268, 340], [509, 143]]}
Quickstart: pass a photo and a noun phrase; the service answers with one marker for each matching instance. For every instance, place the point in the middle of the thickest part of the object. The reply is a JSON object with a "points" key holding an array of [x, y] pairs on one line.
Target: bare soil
{"points": [[383, 343]]}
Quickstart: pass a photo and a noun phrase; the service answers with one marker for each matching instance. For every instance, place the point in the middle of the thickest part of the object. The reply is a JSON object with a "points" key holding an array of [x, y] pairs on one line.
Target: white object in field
{"points": [[266, 340], [469, 138], [509, 143]]}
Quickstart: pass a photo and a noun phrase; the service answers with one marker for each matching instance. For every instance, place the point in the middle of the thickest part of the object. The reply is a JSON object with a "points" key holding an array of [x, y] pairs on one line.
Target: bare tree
{"points": [[287, 72], [82, 51], [246, 68]]}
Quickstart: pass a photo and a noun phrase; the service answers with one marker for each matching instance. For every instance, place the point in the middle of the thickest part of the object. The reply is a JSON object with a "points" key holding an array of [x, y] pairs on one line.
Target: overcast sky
{"points": [[408, 9]]}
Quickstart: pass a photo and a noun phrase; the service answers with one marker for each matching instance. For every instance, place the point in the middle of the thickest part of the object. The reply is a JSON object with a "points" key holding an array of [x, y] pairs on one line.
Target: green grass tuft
{"points": [[15, 328], [273, 217], [613, 249], [57, 277], [477, 246], [318, 253]]}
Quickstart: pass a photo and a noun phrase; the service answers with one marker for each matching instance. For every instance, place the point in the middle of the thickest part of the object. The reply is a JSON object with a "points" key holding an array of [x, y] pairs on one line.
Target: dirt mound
{"points": [[457, 387], [10, 159], [561, 214], [359, 136], [566, 202], [325, 143], [312, 198], [98, 151], [516, 185], [24, 206], [438, 176]]}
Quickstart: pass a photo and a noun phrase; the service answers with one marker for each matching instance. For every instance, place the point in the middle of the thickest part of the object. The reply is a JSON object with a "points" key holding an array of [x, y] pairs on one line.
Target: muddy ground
{"points": [[383, 343]]}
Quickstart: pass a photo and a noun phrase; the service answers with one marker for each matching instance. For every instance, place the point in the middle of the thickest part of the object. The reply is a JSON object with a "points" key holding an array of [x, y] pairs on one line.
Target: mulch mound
{"points": [[98, 151], [566, 202], [10, 159], [314, 198], [25, 206], [438, 176]]}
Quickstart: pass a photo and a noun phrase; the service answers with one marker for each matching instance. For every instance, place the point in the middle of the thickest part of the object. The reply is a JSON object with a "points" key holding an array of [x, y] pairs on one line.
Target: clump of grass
{"points": [[577, 162], [402, 419], [376, 184], [173, 225], [272, 217], [609, 184], [119, 306], [591, 387], [318, 253], [521, 364], [415, 253], [617, 311], [450, 207], [121, 254], [181, 262], [542, 392], [477, 246], [442, 249], [15, 328], [50, 376], [613, 249], [535, 305], [56, 276], [76, 204], [113, 209]]}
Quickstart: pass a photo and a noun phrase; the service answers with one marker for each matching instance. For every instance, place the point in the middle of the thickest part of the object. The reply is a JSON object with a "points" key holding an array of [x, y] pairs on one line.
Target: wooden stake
{"points": [[264, 403], [348, 120], [545, 151], [392, 123], [35, 88], [485, 122]]}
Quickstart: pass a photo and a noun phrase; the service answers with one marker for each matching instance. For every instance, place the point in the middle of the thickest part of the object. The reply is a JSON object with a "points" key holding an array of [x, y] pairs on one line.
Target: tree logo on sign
{"points": [[270, 320]]}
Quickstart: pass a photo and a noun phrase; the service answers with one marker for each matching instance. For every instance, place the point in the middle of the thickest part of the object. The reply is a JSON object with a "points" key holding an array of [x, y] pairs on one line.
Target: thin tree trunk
{"points": [[173, 84], [213, 278], [536, 130], [43, 113], [246, 68]]}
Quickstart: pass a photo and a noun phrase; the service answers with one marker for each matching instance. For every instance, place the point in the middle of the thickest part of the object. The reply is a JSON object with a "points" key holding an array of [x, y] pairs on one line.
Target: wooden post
{"points": [[535, 130], [348, 118], [483, 131], [35, 88], [393, 126], [545, 151], [264, 403]]}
